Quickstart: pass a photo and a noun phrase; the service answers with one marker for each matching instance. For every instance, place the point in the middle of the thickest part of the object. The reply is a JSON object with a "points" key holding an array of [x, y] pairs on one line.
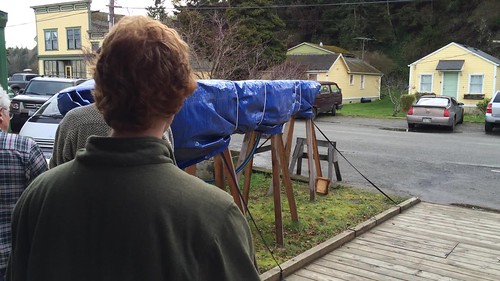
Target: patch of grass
{"points": [[319, 221], [375, 109], [383, 109]]}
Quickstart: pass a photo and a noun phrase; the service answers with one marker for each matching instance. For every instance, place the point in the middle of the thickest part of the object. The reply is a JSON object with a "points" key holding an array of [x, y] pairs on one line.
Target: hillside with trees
{"points": [[237, 39]]}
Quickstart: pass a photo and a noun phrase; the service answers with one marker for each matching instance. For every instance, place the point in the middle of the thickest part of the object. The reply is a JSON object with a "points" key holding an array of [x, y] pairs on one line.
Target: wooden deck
{"points": [[424, 242]]}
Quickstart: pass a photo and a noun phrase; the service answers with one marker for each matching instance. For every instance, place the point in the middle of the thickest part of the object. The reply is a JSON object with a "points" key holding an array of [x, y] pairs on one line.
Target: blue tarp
{"points": [[219, 108]]}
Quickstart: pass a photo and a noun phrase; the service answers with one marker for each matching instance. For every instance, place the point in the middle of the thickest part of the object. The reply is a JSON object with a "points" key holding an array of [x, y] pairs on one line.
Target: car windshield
{"points": [[49, 109], [433, 101], [46, 87]]}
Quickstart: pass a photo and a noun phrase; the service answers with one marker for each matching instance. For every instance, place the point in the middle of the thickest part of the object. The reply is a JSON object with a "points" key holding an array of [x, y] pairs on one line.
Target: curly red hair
{"points": [[142, 72]]}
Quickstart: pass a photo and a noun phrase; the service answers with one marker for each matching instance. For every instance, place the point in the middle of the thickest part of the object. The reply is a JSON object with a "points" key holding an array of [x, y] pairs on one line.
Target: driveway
{"points": [[438, 166]]}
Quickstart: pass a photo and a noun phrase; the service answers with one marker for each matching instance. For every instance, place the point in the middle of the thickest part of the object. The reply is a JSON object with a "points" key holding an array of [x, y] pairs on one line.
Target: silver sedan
{"points": [[436, 110]]}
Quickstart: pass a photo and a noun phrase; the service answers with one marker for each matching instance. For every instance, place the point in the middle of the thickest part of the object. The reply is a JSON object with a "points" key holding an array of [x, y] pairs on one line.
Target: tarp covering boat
{"points": [[219, 108]]}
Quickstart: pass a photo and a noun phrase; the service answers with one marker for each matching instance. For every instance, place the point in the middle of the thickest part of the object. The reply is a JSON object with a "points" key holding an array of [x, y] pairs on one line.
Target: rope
{"points": [[374, 185], [252, 219], [265, 101]]}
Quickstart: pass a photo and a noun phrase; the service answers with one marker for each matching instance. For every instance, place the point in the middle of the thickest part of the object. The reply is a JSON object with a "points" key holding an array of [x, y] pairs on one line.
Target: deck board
{"points": [[425, 242]]}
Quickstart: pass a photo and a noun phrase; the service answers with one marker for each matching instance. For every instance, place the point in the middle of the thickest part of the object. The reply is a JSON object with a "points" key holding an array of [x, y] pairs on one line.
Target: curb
{"points": [[337, 241]]}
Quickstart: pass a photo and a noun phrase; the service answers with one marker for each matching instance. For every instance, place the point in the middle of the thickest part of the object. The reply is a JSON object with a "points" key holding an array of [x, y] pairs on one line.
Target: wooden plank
{"points": [[455, 233], [346, 272], [287, 182], [410, 245], [309, 139], [231, 179], [313, 275], [191, 170], [475, 255], [278, 216], [218, 172], [298, 278], [429, 263], [381, 267]]}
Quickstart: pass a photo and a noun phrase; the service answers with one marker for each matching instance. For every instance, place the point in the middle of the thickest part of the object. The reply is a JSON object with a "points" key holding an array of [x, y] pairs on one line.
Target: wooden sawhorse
{"points": [[331, 157]]}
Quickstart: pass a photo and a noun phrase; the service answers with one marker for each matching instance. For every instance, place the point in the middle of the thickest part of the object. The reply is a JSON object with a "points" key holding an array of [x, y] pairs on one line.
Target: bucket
{"points": [[322, 185]]}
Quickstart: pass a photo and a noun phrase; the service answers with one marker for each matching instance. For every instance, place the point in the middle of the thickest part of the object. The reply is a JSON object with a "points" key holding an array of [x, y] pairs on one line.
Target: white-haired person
{"points": [[21, 161]]}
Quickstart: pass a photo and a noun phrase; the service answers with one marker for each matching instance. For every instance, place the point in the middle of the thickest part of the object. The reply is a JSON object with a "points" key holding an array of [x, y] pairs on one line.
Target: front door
{"points": [[450, 84]]}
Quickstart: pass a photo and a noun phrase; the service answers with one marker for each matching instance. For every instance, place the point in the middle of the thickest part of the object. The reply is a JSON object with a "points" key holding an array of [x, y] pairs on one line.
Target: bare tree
{"points": [[217, 47], [395, 88], [286, 70]]}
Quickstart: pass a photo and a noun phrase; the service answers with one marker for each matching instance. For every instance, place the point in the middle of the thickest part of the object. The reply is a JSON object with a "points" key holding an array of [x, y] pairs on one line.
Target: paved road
{"points": [[461, 167]]}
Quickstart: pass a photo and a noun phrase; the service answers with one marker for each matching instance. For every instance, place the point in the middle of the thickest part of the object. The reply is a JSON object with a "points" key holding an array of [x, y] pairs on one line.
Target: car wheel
{"points": [[461, 119], [315, 113], [411, 126], [452, 126], [334, 110], [488, 127]]}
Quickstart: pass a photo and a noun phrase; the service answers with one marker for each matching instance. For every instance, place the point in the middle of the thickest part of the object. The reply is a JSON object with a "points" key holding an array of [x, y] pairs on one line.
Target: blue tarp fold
{"points": [[219, 108]]}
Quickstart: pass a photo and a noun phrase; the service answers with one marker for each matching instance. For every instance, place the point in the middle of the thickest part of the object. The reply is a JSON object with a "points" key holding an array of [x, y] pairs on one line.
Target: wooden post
{"points": [[278, 219], [309, 139], [191, 170], [249, 166], [218, 172], [277, 143], [231, 179]]}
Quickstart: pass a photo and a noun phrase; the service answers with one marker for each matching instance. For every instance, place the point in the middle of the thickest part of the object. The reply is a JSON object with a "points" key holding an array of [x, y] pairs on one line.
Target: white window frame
{"points": [[51, 39], [362, 82], [312, 76], [74, 38], [420, 90], [351, 79], [470, 83]]}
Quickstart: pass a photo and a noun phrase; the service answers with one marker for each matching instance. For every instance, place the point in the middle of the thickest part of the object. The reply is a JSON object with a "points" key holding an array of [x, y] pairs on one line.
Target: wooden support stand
{"points": [[224, 169], [331, 157], [279, 159]]}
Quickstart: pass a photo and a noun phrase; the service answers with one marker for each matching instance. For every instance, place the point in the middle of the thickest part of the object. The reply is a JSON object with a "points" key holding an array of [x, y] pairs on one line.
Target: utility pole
{"points": [[364, 39], [111, 19]]}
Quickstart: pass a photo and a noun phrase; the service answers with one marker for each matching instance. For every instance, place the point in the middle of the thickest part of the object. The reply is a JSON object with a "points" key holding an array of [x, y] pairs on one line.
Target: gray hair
{"points": [[4, 99]]}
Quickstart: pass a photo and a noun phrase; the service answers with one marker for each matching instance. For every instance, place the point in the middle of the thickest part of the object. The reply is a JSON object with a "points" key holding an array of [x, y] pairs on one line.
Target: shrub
{"points": [[482, 105], [418, 95], [407, 101]]}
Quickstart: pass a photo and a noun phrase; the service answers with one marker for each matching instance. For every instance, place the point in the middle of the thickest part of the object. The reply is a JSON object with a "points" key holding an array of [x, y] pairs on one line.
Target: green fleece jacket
{"points": [[123, 211]]}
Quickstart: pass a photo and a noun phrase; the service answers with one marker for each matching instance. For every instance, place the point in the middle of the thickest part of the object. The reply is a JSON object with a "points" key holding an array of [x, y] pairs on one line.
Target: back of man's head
{"points": [[142, 72]]}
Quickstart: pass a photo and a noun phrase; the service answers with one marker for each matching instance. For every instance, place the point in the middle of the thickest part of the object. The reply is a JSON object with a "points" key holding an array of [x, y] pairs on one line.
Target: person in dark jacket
{"points": [[121, 210]]}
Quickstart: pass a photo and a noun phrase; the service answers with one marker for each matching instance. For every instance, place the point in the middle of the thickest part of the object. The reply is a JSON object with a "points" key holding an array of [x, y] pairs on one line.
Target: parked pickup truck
{"points": [[329, 99], [19, 81], [37, 92]]}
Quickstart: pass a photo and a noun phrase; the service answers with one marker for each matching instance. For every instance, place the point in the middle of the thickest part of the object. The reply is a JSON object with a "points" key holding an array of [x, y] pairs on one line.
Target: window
{"points": [[74, 38], [425, 83], [351, 79], [313, 77], [362, 81], [476, 84], [51, 40]]}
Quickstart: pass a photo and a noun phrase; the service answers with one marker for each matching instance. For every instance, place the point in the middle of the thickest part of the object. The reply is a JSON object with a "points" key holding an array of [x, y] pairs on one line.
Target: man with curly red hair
{"points": [[121, 210]]}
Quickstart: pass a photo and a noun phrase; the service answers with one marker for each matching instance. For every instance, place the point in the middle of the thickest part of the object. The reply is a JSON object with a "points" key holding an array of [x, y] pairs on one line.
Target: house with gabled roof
{"points": [[457, 70], [357, 78]]}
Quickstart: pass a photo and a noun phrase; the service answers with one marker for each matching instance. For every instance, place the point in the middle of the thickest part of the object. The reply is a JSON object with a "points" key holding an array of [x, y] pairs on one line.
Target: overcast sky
{"points": [[21, 32]]}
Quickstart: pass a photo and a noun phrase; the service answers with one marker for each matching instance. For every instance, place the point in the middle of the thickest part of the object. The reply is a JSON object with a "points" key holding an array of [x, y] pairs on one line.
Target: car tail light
{"points": [[446, 112], [410, 111], [489, 108]]}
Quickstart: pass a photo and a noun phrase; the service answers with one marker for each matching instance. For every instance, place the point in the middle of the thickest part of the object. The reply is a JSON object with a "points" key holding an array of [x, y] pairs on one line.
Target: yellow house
{"points": [[355, 77], [456, 70], [68, 34]]}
